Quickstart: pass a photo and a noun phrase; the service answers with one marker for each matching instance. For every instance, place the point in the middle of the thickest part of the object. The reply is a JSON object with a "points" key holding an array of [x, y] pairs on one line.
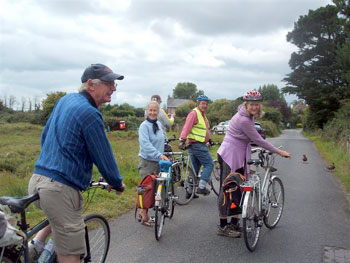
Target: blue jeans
{"points": [[200, 155]]}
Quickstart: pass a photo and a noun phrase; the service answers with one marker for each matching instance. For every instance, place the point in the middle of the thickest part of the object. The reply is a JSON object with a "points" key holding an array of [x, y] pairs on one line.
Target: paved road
{"points": [[316, 217]]}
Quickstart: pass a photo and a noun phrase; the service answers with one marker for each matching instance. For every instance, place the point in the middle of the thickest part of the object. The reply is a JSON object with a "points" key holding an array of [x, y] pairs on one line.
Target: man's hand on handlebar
{"points": [[182, 145], [118, 191]]}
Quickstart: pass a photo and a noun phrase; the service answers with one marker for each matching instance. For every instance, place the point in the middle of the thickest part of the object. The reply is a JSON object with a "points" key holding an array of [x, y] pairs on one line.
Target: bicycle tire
{"points": [[251, 228], [171, 201], [160, 211], [275, 194], [97, 238], [10, 256], [215, 178], [186, 182], [159, 222]]}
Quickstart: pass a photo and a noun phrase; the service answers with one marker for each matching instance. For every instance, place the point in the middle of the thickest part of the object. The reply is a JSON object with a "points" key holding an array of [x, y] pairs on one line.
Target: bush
{"points": [[271, 129], [272, 114], [338, 129], [132, 122]]}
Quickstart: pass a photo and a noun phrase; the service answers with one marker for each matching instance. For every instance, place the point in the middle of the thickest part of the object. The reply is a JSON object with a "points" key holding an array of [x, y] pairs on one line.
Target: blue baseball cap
{"points": [[100, 71]]}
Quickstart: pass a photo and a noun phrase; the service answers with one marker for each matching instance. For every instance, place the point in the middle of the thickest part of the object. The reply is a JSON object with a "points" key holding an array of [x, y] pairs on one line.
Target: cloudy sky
{"points": [[225, 47]]}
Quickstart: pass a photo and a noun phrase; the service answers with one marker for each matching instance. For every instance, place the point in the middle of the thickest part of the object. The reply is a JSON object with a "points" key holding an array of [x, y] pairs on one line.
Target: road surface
{"points": [[315, 222]]}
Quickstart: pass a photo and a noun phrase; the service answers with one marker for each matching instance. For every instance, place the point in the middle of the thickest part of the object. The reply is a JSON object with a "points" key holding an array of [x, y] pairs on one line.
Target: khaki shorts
{"points": [[148, 167], [62, 205]]}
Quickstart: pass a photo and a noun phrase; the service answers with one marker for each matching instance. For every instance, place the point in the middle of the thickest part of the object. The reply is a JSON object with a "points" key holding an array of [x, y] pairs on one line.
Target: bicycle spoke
{"points": [[215, 178], [251, 224], [184, 188], [275, 203], [99, 238]]}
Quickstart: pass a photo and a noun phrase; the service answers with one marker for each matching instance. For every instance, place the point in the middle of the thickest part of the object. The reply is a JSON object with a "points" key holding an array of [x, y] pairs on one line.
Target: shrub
{"points": [[271, 129]]}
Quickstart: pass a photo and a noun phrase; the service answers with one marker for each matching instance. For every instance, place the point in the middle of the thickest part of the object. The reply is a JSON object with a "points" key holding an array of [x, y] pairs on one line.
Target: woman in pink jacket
{"points": [[235, 149]]}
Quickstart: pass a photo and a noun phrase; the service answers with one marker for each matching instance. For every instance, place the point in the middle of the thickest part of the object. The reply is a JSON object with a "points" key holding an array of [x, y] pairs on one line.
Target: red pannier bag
{"points": [[145, 192]]}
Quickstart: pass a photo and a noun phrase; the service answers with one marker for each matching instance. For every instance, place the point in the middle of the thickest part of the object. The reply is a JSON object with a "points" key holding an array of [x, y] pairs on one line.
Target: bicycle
{"points": [[186, 180], [164, 197], [215, 174], [97, 231], [183, 174], [263, 198]]}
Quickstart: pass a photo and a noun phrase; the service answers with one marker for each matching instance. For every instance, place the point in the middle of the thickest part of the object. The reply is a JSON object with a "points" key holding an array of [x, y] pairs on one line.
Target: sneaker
{"points": [[34, 251], [234, 227], [188, 195], [227, 232], [203, 191]]}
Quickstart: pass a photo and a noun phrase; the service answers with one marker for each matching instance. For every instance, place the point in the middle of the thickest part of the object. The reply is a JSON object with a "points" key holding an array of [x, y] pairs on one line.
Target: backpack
{"points": [[145, 192], [230, 195]]}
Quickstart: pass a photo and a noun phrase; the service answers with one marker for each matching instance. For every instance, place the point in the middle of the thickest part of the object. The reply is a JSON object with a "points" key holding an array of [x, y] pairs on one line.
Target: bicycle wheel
{"points": [[215, 178], [159, 222], [251, 224], [97, 236], [10, 255], [160, 210], [171, 201], [275, 194], [184, 186]]}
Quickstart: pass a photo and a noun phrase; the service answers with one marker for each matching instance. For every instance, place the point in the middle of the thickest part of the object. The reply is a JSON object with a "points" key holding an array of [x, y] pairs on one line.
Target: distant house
{"points": [[173, 104]]}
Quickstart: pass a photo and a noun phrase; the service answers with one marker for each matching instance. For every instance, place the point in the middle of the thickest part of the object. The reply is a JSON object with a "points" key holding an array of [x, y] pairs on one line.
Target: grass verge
{"points": [[332, 153], [19, 150]]}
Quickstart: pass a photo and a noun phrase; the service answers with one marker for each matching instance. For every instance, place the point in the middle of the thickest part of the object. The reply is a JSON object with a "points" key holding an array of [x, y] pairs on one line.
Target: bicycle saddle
{"points": [[255, 162], [18, 204]]}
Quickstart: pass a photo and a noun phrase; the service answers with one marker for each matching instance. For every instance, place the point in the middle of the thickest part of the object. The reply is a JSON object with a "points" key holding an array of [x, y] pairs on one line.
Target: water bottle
{"points": [[47, 252]]}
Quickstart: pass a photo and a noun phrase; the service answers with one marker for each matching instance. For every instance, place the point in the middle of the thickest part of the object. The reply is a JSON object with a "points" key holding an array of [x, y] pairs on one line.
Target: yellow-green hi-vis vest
{"points": [[199, 131]]}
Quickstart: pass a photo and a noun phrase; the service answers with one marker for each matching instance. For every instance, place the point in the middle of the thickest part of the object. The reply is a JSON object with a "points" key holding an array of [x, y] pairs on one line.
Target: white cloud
{"points": [[224, 47]]}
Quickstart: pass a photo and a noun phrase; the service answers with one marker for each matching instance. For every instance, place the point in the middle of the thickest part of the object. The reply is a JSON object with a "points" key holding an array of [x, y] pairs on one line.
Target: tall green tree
{"points": [[270, 92], [186, 90], [316, 73], [344, 51]]}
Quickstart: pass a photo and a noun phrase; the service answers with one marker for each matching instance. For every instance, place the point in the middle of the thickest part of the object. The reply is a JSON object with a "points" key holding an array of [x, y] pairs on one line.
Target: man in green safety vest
{"points": [[196, 131]]}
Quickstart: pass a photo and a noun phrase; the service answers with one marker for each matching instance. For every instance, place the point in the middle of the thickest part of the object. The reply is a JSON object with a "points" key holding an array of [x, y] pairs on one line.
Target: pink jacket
{"points": [[235, 149]]}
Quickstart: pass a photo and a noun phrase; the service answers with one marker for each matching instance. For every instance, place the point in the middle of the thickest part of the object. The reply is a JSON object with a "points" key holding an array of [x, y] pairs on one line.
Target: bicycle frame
{"points": [[162, 177], [255, 184]]}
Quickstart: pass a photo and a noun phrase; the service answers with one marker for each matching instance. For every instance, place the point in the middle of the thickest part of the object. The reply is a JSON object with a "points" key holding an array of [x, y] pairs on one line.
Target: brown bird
{"points": [[304, 158], [330, 167]]}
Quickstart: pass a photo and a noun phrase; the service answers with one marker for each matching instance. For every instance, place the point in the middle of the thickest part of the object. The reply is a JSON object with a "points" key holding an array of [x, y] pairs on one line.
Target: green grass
{"points": [[331, 152], [20, 148]]}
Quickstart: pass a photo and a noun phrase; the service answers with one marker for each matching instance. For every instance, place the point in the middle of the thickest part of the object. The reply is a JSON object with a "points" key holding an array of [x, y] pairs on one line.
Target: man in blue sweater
{"points": [[72, 141]]}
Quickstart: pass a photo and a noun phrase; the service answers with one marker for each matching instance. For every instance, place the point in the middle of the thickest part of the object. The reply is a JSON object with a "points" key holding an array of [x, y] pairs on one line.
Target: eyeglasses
{"points": [[110, 84]]}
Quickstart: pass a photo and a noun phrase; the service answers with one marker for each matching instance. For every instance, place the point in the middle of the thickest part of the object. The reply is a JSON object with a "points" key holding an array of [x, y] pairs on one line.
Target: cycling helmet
{"points": [[202, 97], [252, 96]]}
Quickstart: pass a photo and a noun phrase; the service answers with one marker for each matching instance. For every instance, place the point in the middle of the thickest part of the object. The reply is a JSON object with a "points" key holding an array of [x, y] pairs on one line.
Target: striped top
{"points": [[73, 140]]}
